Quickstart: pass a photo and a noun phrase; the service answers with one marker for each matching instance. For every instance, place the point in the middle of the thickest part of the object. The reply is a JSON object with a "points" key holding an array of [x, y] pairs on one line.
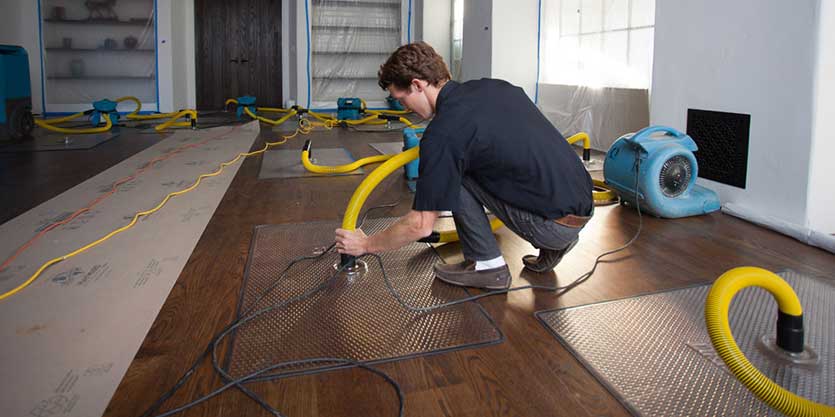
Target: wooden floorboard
{"points": [[529, 374]]}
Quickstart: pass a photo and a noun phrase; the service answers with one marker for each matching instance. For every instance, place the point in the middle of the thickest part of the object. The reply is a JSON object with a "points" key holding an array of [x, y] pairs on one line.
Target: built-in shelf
{"points": [[99, 50], [357, 28], [360, 3], [350, 53], [108, 22], [344, 77], [97, 77]]}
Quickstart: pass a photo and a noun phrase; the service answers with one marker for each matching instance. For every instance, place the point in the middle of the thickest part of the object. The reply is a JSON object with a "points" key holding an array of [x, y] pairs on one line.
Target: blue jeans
{"points": [[473, 226]]}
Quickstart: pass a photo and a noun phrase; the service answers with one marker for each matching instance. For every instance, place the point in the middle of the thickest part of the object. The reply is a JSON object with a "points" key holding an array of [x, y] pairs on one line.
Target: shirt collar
{"points": [[446, 90]]}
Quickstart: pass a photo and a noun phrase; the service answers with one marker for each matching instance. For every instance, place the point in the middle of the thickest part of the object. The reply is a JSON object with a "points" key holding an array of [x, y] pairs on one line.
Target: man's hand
{"points": [[351, 242]]}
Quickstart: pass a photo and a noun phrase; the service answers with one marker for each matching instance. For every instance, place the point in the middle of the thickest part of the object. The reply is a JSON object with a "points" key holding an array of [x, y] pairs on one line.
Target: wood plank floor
{"points": [[529, 374]]}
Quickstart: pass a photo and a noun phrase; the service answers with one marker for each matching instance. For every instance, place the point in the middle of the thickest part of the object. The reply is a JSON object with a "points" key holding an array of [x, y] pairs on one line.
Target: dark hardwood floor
{"points": [[529, 374]]}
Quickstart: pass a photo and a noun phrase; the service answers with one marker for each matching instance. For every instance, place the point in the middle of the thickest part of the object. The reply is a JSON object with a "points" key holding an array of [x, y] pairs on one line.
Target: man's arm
{"points": [[409, 228]]}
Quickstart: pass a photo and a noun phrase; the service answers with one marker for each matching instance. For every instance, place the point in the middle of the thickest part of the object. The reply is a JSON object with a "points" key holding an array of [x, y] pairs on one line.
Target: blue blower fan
{"points": [[666, 184]]}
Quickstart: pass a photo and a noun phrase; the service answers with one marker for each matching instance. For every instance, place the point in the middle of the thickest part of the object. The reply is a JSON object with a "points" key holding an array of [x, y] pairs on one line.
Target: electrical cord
{"points": [[561, 289], [249, 315]]}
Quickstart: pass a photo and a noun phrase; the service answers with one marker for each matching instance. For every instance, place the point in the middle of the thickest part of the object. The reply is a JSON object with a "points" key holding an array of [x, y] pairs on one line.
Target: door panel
{"points": [[238, 48]]}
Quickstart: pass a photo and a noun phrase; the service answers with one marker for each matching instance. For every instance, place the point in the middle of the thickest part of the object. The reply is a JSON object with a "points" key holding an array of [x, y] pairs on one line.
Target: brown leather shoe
{"points": [[464, 274], [547, 259]]}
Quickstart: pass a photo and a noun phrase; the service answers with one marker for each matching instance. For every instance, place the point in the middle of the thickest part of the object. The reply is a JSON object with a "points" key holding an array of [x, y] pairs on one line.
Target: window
{"points": [[457, 38], [597, 43]]}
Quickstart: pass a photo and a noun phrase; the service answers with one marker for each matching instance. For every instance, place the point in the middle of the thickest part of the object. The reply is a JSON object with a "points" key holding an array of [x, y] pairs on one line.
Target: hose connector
{"points": [[790, 332]]}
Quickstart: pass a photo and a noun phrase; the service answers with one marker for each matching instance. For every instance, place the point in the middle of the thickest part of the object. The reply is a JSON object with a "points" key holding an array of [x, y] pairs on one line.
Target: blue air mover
{"points": [[16, 121], [667, 181], [348, 108], [394, 104], [410, 140], [245, 101]]}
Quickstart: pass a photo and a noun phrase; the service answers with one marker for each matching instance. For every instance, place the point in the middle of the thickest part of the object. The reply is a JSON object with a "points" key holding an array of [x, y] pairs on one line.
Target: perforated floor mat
{"points": [[654, 354], [355, 318]]}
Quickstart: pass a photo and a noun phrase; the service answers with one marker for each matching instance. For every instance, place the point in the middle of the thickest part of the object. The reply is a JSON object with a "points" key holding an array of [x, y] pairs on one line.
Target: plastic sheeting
{"points": [[94, 52], [604, 113], [350, 40], [801, 233]]}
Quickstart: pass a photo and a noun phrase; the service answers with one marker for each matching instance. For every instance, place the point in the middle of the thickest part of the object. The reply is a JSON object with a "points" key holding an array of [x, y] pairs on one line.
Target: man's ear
{"points": [[419, 84]]}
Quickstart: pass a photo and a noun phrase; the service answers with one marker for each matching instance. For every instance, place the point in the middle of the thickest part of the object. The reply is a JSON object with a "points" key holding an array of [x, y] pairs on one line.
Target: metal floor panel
{"points": [[350, 318], [285, 163], [654, 354], [387, 148]]}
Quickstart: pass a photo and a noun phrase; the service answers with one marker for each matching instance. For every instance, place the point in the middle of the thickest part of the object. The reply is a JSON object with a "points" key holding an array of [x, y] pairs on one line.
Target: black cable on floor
{"points": [[246, 317]]}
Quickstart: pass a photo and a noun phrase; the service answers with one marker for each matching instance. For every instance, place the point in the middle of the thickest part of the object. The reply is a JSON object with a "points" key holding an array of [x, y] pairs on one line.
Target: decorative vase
{"points": [[130, 42], [77, 68]]}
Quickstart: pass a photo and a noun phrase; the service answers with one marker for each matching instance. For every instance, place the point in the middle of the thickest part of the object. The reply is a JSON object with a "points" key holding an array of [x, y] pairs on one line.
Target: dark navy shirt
{"points": [[489, 130]]}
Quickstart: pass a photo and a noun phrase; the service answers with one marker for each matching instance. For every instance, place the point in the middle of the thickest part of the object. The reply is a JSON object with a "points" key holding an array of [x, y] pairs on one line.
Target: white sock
{"points": [[490, 264]]}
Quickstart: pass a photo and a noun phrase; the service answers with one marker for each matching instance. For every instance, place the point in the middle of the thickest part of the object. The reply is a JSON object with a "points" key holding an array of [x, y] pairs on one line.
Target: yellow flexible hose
{"points": [[176, 116], [272, 109], [47, 124], [228, 101], [366, 187], [605, 195], [283, 119], [339, 169], [578, 137], [716, 317], [136, 216]]}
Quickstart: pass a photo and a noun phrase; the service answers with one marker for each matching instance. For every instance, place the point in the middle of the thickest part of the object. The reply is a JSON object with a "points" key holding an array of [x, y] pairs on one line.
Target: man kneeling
{"points": [[487, 146]]}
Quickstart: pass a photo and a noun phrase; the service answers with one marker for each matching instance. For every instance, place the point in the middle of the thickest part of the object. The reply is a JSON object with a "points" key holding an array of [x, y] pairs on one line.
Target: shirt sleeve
{"points": [[440, 174]]}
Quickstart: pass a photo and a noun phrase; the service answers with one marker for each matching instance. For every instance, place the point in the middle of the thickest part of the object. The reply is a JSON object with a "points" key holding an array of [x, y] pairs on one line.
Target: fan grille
{"points": [[675, 175]]}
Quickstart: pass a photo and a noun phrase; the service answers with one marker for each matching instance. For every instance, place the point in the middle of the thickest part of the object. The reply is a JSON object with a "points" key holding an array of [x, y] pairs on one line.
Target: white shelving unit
{"points": [[88, 54]]}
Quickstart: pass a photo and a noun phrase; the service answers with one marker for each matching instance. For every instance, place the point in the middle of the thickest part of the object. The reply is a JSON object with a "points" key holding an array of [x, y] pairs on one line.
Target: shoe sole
{"points": [[486, 287]]}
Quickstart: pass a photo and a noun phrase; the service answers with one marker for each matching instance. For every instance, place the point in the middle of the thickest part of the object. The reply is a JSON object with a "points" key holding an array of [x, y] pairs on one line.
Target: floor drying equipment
{"points": [[410, 140], [666, 184], [16, 122], [349, 108]]}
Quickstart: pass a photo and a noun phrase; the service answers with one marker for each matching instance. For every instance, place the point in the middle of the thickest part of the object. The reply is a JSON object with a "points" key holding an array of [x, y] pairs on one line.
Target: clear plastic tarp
{"points": [[349, 42], [98, 49]]}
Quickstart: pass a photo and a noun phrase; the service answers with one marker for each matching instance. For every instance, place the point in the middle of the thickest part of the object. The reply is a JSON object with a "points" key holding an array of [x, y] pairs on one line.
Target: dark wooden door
{"points": [[238, 48]]}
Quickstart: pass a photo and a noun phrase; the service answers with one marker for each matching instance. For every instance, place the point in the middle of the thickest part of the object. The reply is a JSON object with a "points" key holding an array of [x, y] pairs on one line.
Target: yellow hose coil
{"points": [[192, 114], [716, 317], [283, 119], [349, 221], [47, 124], [338, 169], [602, 193]]}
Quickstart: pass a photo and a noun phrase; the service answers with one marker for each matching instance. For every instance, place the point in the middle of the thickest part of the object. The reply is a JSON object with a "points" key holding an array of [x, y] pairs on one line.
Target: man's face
{"points": [[414, 98]]}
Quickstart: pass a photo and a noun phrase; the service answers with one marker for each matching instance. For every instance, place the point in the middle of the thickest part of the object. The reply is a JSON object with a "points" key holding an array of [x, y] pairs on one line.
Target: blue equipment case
{"points": [[16, 121], [348, 108], [667, 179]]}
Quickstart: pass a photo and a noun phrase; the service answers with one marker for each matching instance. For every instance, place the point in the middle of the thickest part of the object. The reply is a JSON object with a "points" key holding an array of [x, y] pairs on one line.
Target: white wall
{"points": [[437, 26], [514, 42], [744, 56], [19, 26], [183, 93], [476, 56], [821, 198]]}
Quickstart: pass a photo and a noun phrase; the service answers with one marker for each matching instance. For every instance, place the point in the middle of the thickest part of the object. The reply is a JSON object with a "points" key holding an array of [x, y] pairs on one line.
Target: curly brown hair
{"points": [[413, 61]]}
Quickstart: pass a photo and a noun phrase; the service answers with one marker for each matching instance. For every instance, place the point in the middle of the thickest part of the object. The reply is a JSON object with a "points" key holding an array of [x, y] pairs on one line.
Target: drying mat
{"points": [[69, 337], [387, 148], [653, 352], [284, 163], [45, 140], [355, 318]]}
